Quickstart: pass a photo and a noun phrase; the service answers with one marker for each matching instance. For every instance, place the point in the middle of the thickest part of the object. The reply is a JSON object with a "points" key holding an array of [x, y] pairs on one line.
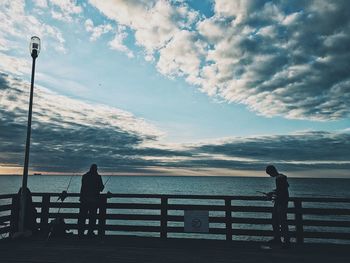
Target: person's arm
{"points": [[82, 188], [101, 186], [271, 195], [82, 185]]}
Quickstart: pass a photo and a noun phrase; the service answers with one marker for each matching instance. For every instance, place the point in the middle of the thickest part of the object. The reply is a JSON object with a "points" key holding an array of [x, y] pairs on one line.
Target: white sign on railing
{"points": [[196, 221]]}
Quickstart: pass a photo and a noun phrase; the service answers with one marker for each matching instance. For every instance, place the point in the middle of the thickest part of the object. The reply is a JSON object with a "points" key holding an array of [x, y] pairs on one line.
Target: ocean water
{"points": [[185, 185], [203, 185]]}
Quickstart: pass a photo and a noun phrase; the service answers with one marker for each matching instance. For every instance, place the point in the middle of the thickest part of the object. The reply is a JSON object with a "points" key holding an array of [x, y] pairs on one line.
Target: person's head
{"points": [[271, 170], [93, 169]]}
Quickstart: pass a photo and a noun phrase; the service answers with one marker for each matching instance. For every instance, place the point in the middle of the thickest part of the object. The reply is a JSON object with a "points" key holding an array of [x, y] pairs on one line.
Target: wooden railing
{"points": [[6, 214], [230, 217]]}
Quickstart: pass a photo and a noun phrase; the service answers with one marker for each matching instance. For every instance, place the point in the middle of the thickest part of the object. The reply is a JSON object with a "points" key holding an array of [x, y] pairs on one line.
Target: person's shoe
{"points": [[285, 245], [275, 241]]}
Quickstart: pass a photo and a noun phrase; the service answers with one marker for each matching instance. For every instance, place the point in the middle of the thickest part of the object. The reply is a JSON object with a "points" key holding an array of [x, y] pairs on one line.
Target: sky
{"points": [[176, 87]]}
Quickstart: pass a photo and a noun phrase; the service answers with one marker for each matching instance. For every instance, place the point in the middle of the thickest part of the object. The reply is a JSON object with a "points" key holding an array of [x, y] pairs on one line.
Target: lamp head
{"points": [[34, 46]]}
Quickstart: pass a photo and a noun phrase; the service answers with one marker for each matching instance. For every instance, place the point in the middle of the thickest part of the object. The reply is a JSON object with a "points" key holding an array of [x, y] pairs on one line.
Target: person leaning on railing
{"points": [[280, 196], [91, 187]]}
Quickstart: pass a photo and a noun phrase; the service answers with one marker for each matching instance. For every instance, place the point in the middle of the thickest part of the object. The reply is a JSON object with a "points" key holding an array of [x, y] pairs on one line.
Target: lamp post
{"points": [[34, 49]]}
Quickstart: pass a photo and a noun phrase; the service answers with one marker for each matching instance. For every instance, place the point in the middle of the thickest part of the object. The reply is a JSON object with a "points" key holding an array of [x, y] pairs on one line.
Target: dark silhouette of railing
{"points": [[5, 213], [159, 214]]}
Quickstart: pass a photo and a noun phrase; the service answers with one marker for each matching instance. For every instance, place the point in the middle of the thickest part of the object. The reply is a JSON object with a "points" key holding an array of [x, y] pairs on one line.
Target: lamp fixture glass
{"points": [[35, 46]]}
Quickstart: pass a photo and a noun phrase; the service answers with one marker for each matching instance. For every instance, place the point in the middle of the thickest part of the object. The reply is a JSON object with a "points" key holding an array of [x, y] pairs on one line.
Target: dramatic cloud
{"points": [[68, 135], [277, 57], [155, 22], [295, 151]]}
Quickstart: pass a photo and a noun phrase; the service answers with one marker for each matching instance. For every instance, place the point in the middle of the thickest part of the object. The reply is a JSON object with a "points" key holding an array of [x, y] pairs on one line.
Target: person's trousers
{"points": [[279, 221], [87, 210]]}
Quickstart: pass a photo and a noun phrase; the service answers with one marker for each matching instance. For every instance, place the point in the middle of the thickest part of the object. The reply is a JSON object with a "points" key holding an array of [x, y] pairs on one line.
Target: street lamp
{"points": [[34, 49]]}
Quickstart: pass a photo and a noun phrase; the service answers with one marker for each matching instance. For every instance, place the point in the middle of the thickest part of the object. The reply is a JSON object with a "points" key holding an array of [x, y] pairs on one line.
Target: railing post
{"points": [[14, 214], [164, 217], [299, 221], [44, 218], [102, 216], [228, 219]]}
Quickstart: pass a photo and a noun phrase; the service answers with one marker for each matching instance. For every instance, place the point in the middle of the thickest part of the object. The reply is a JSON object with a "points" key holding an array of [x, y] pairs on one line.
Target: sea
{"points": [[200, 185]]}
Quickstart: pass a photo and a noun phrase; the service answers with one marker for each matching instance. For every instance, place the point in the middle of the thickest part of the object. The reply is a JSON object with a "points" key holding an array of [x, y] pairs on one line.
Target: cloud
{"points": [[14, 65], [118, 42], [155, 22], [41, 3], [67, 6], [277, 58], [67, 133], [65, 10], [180, 57], [273, 61], [19, 24], [96, 31], [302, 150]]}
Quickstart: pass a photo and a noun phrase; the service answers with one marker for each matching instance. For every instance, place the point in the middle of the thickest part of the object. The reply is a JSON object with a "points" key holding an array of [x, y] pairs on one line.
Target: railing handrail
{"points": [[204, 197], [7, 196]]}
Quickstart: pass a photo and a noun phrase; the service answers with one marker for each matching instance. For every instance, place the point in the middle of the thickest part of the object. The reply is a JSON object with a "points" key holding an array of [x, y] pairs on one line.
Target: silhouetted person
{"points": [[30, 214], [91, 186], [279, 214]]}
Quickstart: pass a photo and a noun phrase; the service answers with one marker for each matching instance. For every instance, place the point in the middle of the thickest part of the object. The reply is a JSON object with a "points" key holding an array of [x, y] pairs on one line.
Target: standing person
{"points": [[279, 214], [91, 186]]}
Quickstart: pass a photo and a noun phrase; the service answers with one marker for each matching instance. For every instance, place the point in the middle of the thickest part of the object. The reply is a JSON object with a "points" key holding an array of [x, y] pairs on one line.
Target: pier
{"points": [[151, 228]]}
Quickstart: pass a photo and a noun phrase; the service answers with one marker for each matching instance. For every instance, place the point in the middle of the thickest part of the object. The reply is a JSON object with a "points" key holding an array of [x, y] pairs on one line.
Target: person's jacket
{"points": [[281, 191], [91, 186]]}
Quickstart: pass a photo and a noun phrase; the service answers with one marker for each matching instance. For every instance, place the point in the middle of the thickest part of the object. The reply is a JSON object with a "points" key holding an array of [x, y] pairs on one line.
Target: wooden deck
{"points": [[153, 250]]}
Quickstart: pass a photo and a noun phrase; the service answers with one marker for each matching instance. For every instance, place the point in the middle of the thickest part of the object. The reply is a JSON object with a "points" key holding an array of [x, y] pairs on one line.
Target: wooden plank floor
{"points": [[133, 249]]}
